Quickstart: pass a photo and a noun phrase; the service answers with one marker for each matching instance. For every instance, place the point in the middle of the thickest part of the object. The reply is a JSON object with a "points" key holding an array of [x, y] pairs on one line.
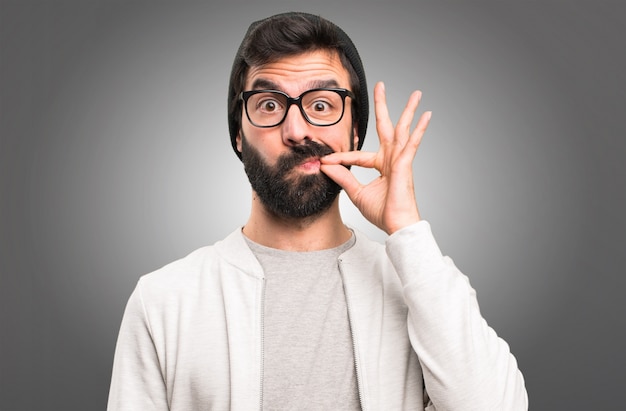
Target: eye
{"points": [[321, 106], [268, 105]]}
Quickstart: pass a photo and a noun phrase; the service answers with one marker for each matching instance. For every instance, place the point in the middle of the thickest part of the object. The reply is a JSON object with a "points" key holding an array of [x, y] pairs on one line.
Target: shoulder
{"points": [[203, 268], [412, 248], [367, 256], [177, 277]]}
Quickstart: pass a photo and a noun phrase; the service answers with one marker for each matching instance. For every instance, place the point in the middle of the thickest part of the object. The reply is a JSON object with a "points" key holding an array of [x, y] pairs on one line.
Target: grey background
{"points": [[114, 160]]}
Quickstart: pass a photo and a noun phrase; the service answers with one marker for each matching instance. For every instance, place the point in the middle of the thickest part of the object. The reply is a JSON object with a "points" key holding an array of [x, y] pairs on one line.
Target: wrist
{"points": [[402, 223]]}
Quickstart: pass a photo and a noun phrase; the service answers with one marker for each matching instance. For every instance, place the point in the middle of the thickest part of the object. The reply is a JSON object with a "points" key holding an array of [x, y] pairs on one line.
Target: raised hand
{"points": [[389, 200]]}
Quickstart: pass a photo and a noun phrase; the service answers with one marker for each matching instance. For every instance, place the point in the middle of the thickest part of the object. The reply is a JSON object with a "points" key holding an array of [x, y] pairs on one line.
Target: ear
{"points": [[238, 141], [356, 138]]}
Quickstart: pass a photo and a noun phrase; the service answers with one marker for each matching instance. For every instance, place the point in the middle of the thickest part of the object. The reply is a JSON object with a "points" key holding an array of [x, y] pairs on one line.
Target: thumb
{"points": [[342, 176]]}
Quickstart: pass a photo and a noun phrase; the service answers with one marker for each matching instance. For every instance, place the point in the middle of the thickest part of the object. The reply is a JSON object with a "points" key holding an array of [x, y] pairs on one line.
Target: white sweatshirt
{"points": [[191, 336]]}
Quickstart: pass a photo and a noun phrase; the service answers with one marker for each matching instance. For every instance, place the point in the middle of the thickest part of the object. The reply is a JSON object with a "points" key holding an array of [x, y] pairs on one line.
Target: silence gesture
{"points": [[389, 200]]}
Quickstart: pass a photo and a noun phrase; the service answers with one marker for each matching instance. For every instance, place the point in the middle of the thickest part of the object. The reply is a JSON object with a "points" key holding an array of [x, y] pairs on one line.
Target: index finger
{"points": [[356, 158], [384, 125]]}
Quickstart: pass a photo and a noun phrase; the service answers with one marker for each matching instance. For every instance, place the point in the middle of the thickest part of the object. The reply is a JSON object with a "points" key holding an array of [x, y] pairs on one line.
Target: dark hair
{"points": [[289, 34]]}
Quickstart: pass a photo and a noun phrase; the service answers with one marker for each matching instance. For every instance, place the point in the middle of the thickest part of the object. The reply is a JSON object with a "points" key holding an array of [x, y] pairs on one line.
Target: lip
{"points": [[311, 164]]}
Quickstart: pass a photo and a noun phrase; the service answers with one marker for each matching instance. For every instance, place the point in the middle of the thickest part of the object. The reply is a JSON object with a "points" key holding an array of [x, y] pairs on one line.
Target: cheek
{"points": [[267, 145], [343, 139]]}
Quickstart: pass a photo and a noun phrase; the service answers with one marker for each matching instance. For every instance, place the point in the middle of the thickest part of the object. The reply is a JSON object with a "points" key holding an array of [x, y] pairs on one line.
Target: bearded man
{"points": [[296, 310]]}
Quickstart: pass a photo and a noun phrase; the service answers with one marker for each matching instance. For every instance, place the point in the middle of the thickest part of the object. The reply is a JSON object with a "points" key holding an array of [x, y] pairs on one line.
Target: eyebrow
{"points": [[324, 84], [265, 84]]}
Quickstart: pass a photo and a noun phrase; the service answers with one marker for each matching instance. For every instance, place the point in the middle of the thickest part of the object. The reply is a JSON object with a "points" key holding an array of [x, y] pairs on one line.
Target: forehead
{"points": [[298, 73]]}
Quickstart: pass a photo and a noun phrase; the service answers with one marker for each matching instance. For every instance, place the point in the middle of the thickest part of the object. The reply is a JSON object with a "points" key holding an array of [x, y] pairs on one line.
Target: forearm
{"points": [[466, 365]]}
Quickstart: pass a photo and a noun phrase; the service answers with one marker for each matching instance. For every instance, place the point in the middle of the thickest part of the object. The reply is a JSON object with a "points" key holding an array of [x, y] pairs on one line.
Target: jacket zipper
{"points": [[354, 343], [262, 351]]}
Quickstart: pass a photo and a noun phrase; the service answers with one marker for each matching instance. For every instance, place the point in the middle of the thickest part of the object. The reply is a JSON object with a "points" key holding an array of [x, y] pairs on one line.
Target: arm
{"points": [[466, 366], [137, 381]]}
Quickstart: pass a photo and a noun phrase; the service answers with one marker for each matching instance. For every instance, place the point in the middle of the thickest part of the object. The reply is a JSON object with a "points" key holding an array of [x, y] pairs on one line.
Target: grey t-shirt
{"points": [[308, 358]]}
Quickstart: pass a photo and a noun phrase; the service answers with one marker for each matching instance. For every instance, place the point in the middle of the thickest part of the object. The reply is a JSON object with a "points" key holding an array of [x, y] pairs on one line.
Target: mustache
{"points": [[300, 153]]}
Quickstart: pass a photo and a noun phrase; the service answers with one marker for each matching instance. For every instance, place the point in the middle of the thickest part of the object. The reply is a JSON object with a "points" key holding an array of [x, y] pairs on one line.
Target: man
{"points": [[296, 310]]}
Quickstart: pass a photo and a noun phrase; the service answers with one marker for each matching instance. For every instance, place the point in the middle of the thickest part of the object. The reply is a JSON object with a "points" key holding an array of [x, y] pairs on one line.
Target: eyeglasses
{"points": [[320, 106]]}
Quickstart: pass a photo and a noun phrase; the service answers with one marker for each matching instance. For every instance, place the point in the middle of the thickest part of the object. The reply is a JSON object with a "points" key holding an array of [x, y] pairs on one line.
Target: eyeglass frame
{"points": [[343, 93]]}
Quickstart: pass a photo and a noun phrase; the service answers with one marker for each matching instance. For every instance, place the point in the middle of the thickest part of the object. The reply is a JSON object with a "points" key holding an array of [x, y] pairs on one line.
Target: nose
{"points": [[295, 129]]}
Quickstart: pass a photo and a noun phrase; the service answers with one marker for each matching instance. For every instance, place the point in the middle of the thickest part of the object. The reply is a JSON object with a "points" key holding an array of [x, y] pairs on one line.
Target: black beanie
{"points": [[345, 45]]}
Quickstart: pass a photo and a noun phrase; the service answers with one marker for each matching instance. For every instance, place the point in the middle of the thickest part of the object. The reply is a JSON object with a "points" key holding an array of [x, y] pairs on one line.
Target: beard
{"points": [[285, 192]]}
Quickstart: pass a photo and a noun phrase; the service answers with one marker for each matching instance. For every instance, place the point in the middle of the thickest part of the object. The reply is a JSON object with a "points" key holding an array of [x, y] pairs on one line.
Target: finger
{"points": [[404, 123], [420, 129], [356, 158], [384, 126], [412, 145], [342, 176]]}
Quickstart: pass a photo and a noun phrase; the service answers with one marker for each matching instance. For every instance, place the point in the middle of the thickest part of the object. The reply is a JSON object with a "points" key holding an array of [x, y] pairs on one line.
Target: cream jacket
{"points": [[192, 333]]}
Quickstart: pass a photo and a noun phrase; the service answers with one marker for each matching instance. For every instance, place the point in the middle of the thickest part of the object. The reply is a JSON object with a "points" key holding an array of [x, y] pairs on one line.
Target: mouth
{"points": [[310, 165]]}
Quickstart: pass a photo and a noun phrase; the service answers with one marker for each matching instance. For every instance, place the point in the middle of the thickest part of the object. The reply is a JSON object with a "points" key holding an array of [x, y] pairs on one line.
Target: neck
{"points": [[318, 232]]}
